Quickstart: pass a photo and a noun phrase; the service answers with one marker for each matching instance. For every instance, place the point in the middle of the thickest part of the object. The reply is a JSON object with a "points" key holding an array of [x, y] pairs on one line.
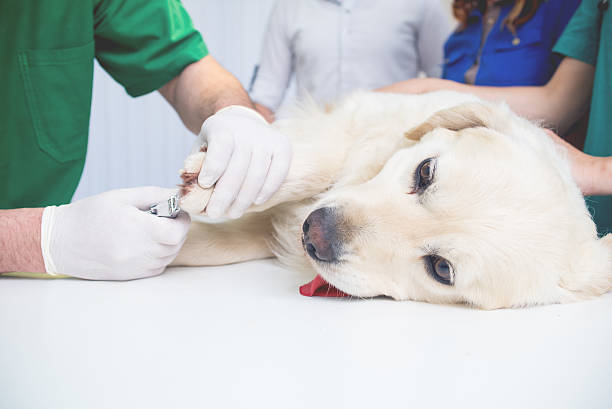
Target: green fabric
{"points": [[588, 38], [46, 68]]}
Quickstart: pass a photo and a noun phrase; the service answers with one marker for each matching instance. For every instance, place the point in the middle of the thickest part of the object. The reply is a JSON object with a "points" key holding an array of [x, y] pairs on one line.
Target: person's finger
{"points": [[171, 250], [256, 176], [168, 231], [229, 184], [218, 156], [143, 197], [156, 271], [159, 265], [276, 175], [164, 261], [157, 251]]}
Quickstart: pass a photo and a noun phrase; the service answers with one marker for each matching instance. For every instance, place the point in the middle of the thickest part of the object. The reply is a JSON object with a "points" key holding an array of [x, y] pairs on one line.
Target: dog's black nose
{"points": [[321, 238]]}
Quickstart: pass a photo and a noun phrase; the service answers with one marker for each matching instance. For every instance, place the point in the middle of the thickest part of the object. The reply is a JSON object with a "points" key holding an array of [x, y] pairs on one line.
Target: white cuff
{"points": [[240, 109], [46, 228]]}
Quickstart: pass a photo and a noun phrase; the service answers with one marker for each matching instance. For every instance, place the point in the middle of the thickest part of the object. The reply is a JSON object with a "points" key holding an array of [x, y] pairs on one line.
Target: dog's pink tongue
{"points": [[321, 288]]}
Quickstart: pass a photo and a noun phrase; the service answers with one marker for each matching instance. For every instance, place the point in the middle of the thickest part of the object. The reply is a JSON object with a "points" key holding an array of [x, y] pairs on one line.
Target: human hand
{"points": [[589, 172], [246, 159], [110, 237]]}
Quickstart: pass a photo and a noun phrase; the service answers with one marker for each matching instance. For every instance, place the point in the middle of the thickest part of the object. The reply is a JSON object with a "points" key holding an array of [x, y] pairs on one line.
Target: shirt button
{"points": [[516, 41]]}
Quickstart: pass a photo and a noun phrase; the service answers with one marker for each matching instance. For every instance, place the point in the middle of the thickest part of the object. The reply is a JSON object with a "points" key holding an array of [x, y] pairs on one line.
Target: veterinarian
{"points": [[337, 46], [47, 53], [583, 79], [587, 43]]}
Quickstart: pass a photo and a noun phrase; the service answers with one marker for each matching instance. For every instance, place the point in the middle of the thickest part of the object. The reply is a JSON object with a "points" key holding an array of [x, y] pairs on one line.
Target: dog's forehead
{"points": [[482, 158], [487, 185], [482, 143]]}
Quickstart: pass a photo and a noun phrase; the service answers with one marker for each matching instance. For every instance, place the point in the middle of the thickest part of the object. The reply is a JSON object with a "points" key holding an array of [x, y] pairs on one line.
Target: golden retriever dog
{"points": [[439, 197]]}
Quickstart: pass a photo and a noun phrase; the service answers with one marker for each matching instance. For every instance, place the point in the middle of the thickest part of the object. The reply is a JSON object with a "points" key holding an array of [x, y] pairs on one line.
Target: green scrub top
{"points": [[588, 38], [47, 49]]}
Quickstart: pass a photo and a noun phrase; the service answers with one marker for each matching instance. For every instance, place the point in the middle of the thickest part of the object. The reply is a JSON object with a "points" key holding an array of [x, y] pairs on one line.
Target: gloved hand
{"points": [[246, 157], [109, 237]]}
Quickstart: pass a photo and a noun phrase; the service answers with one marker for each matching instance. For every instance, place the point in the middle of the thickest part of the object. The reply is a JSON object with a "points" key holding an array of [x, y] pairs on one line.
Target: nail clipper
{"points": [[169, 208]]}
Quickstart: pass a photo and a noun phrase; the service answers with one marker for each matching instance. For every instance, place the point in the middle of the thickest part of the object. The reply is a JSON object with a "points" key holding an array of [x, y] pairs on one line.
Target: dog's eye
{"points": [[424, 174], [440, 269]]}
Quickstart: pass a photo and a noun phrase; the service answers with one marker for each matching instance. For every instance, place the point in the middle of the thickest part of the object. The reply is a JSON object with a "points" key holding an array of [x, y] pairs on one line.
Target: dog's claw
{"points": [[194, 198]]}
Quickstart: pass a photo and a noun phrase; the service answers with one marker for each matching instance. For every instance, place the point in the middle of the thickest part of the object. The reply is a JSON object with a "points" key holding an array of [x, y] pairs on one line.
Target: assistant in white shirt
{"points": [[338, 46]]}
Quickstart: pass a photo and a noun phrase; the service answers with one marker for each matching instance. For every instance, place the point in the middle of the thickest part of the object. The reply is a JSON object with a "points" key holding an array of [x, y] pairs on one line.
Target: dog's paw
{"points": [[194, 198]]}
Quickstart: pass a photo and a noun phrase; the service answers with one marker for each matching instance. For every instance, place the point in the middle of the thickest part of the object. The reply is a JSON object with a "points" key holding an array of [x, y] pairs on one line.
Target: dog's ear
{"points": [[469, 115], [591, 270]]}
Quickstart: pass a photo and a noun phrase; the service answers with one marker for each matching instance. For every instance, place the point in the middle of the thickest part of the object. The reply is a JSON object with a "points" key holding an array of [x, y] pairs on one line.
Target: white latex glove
{"points": [[109, 237], [246, 157]]}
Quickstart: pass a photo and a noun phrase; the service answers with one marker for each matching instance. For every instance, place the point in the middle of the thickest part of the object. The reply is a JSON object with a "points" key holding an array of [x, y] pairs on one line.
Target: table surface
{"points": [[241, 336]]}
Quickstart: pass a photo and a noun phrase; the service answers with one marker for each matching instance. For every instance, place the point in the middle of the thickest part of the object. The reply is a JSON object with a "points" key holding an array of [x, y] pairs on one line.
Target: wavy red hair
{"points": [[522, 11]]}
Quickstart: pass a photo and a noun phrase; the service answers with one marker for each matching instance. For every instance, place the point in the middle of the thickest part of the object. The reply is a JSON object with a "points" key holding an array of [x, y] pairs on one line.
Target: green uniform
{"points": [[588, 38], [47, 48]]}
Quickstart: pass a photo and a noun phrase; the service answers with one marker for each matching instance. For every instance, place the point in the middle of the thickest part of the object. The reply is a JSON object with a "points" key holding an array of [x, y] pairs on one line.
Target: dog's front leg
{"points": [[312, 171], [211, 244]]}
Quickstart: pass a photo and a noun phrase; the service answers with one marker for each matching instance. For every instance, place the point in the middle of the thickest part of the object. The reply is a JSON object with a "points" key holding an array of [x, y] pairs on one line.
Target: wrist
{"points": [[46, 231], [20, 233], [598, 176], [429, 85], [239, 110]]}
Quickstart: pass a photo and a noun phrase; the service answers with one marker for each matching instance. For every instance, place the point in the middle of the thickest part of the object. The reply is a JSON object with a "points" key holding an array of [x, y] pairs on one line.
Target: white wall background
{"points": [[137, 142]]}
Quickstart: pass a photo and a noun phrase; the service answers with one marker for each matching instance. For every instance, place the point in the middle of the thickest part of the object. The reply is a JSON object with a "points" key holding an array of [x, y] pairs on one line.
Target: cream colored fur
{"points": [[503, 208]]}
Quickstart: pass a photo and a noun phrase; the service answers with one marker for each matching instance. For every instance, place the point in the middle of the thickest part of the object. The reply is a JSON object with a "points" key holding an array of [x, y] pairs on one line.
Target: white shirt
{"points": [[335, 47]]}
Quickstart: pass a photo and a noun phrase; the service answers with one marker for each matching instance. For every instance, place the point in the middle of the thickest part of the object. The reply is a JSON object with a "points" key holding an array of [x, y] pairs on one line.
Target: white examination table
{"points": [[241, 336]]}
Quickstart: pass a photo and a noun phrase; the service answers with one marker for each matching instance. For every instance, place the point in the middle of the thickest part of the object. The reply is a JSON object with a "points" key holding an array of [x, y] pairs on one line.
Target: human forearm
{"points": [[527, 101], [559, 103], [421, 85], [202, 89], [534, 103], [20, 241]]}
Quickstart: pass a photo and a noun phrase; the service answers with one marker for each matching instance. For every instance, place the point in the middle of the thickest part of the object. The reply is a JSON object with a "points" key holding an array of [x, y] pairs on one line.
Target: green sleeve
{"points": [[580, 39], [143, 44]]}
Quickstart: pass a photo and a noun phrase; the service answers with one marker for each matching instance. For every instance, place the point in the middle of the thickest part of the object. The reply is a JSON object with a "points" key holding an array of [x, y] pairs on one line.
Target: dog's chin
{"points": [[347, 283], [340, 275]]}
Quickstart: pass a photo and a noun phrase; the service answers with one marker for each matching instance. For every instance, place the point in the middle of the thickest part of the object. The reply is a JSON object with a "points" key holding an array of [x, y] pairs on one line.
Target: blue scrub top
{"points": [[506, 61]]}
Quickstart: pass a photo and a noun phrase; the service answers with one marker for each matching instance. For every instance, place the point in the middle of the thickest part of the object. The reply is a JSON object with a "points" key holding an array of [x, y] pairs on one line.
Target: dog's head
{"points": [[481, 210]]}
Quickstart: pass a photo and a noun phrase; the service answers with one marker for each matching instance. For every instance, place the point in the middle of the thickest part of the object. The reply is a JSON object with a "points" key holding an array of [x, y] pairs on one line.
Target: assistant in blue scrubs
{"points": [[504, 58]]}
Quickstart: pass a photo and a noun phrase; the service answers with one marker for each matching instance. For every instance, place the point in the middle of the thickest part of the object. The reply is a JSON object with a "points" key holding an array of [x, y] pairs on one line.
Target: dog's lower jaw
{"points": [[342, 280]]}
